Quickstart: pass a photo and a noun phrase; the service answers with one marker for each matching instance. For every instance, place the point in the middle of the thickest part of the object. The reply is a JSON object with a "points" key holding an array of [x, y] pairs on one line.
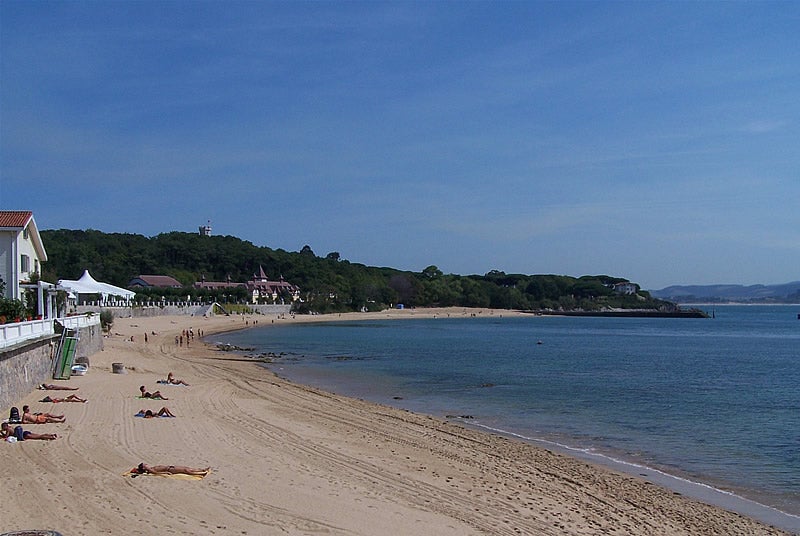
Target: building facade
{"points": [[21, 251], [259, 289]]}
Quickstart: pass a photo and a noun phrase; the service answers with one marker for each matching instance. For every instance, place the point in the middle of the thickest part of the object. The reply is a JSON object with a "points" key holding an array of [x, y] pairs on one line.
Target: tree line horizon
{"points": [[327, 284]]}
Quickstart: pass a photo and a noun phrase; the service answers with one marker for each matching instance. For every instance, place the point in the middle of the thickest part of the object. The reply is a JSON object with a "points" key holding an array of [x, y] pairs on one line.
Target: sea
{"points": [[708, 407]]}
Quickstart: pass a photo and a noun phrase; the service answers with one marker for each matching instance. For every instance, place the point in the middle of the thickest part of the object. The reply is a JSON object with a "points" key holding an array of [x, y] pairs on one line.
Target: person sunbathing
{"points": [[70, 398], [143, 468], [149, 414], [6, 431], [171, 380], [39, 418], [53, 387], [157, 395]]}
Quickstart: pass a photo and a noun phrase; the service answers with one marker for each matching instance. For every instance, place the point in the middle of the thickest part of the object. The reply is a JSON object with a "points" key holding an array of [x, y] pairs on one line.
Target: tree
{"points": [[432, 272], [405, 287], [328, 284], [106, 319]]}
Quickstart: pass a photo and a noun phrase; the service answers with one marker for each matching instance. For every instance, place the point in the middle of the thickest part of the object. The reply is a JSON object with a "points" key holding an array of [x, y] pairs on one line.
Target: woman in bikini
{"points": [[53, 387], [171, 380], [70, 398], [157, 395], [143, 468], [39, 418], [149, 414]]}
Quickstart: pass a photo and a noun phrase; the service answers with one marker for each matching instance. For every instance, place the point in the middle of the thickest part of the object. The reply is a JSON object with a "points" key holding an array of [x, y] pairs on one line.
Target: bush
{"points": [[106, 319], [12, 309]]}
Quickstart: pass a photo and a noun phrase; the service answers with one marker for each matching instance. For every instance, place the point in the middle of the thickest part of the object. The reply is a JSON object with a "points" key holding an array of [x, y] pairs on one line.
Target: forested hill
{"points": [[327, 283]]}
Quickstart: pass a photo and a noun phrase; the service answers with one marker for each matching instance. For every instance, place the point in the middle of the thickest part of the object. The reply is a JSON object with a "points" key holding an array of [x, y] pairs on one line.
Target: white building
{"points": [[626, 288], [21, 250]]}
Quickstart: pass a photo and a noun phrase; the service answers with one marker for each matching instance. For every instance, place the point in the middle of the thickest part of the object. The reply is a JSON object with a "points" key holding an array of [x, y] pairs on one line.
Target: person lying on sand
{"points": [[143, 468], [171, 380], [157, 395], [39, 418], [148, 414], [70, 398], [53, 387], [7, 432]]}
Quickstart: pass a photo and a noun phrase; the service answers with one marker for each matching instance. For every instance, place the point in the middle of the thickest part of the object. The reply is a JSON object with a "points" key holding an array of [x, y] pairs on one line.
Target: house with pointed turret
{"points": [[260, 288]]}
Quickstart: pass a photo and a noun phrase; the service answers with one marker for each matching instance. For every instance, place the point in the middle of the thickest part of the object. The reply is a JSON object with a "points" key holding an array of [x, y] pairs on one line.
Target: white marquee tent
{"points": [[88, 285]]}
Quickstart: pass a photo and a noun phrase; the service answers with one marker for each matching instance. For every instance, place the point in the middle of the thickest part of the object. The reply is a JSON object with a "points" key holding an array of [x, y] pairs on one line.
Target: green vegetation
{"points": [[106, 319], [328, 284], [10, 309]]}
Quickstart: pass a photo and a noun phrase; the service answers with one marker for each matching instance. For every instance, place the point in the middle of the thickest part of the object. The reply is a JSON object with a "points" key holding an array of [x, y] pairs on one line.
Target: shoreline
{"points": [[683, 485], [719, 493], [295, 459]]}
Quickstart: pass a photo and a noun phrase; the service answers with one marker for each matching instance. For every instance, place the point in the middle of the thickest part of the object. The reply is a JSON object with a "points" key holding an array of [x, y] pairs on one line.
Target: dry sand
{"points": [[288, 459]]}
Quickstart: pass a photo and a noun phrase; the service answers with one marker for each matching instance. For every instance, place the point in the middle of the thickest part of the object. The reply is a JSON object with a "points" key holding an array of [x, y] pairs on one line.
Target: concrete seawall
{"points": [[26, 365], [176, 310]]}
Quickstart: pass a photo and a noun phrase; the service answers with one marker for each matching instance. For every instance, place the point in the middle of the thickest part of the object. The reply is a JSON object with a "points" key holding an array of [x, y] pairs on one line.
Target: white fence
{"points": [[18, 332]]}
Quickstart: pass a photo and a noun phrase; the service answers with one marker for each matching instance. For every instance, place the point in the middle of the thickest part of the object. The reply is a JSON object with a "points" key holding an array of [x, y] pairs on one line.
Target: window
{"points": [[25, 264]]}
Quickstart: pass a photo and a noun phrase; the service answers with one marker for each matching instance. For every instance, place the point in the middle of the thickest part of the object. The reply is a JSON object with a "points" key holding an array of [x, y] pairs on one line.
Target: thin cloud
{"points": [[764, 126]]}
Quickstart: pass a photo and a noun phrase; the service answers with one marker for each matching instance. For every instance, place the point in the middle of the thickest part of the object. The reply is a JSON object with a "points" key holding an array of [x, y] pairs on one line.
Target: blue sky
{"points": [[655, 141]]}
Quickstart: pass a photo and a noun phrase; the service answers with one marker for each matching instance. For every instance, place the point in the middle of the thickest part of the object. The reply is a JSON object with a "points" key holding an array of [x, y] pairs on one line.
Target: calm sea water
{"points": [[713, 401]]}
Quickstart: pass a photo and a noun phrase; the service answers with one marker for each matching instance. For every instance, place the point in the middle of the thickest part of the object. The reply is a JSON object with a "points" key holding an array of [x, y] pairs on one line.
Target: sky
{"points": [[655, 141]]}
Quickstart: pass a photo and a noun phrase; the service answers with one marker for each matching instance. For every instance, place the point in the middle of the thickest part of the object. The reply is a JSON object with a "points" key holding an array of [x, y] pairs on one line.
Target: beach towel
{"points": [[133, 473], [140, 414]]}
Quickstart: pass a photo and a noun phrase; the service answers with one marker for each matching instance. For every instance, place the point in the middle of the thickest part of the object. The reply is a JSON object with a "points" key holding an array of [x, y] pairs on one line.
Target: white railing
{"points": [[79, 321], [18, 332]]}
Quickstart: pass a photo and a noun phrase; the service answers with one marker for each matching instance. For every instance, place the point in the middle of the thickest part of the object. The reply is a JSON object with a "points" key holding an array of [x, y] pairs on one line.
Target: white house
{"points": [[21, 250], [626, 287]]}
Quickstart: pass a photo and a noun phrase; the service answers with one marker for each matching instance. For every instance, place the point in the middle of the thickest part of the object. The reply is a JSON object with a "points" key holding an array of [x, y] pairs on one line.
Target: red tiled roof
{"points": [[216, 284], [15, 218], [159, 280]]}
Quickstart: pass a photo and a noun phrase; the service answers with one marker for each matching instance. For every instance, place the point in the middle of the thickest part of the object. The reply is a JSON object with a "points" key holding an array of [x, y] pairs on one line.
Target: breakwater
{"points": [[633, 313]]}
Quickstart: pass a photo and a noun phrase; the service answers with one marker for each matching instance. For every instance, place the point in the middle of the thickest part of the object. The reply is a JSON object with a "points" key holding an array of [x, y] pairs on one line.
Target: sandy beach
{"points": [[289, 459]]}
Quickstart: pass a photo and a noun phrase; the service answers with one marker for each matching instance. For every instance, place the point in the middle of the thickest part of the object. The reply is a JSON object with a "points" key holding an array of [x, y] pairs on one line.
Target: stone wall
{"points": [[25, 366]]}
